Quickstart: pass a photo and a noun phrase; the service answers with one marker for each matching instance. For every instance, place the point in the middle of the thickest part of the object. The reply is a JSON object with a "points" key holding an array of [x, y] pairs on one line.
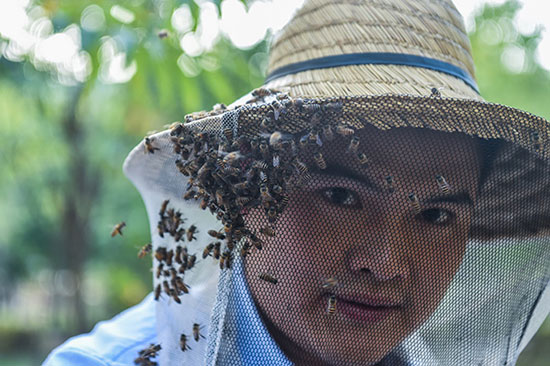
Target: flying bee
{"points": [[330, 283], [149, 148], [443, 185], [267, 231], [191, 233], [415, 203], [191, 261], [320, 160], [146, 249], [389, 182], [175, 296], [118, 229], [362, 158], [196, 332], [331, 308], [183, 343], [157, 292], [327, 133], [343, 130], [216, 252], [162, 34], [268, 278], [353, 145]]}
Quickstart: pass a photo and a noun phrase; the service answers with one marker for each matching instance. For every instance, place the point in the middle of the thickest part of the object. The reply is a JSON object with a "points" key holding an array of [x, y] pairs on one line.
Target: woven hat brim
{"points": [[512, 201]]}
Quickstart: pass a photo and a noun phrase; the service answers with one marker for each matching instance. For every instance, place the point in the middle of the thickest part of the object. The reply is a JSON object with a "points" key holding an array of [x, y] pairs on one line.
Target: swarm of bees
{"points": [[230, 175], [145, 355], [118, 229]]}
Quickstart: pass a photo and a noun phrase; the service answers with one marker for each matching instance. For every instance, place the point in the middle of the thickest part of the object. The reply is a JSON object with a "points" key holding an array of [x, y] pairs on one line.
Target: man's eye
{"points": [[340, 196], [437, 216]]}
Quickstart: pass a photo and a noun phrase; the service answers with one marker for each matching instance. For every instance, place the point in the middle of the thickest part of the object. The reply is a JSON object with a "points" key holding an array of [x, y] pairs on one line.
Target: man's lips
{"points": [[365, 309]]}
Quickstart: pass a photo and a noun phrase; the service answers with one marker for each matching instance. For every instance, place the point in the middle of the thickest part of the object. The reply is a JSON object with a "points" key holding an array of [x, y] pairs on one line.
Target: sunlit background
{"points": [[81, 82]]}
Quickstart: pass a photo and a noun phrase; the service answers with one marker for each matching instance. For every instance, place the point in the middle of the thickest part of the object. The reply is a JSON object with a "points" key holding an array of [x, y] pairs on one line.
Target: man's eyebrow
{"points": [[462, 197], [343, 171]]}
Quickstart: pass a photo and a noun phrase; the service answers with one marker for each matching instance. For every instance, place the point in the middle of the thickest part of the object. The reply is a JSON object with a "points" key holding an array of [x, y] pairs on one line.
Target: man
{"points": [[364, 207]]}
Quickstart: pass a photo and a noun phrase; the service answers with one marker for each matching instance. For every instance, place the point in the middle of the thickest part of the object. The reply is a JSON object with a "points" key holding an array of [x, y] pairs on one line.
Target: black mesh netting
{"points": [[352, 246]]}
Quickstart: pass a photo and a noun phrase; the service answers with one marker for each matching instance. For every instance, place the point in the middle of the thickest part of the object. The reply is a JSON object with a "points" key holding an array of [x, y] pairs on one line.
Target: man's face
{"points": [[390, 263]]}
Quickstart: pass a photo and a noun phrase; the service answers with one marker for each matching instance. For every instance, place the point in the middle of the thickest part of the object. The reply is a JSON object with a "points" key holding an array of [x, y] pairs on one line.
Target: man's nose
{"points": [[381, 248]]}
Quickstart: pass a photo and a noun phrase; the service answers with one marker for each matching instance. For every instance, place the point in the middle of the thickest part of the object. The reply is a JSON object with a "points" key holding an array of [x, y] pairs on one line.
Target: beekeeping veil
{"points": [[364, 207]]}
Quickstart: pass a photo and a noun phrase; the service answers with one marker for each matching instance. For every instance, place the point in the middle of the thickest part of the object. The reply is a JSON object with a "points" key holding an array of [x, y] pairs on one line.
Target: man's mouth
{"points": [[368, 310]]}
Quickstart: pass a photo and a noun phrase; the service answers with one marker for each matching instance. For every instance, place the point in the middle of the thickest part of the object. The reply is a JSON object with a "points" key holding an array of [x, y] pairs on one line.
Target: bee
{"points": [[331, 308], [225, 260], [189, 194], [264, 149], [183, 343], [160, 254], [278, 109], [196, 332], [343, 130], [179, 250], [159, 270], [204, 204], [149, 148], [216, 252], [353, 145], [257, 242], [276, 140], [191, 261], [414, 202], [118, 229], [216, 234], [320, 160], [272, 214], [277, 189], [302, 168], [175, 296], [261, 92], [267, 231], [298, 103], [535, 137], [268, 278], [228, 132], [179, 234], [436, 92], [191, 233], [362, 158], [176, 129], [169, 257], [146, 249], [330, 283], [162, 34], [245, 250], [161, 229], [443, 185], [163, 208], [150, 351], [327, 133], [265, 193], [181, 285], [157, 292], [389, 182], [166, 287]]}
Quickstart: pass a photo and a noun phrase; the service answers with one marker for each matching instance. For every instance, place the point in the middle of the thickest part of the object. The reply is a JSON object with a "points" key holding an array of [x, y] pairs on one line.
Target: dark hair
{"points": [[488, 150]]}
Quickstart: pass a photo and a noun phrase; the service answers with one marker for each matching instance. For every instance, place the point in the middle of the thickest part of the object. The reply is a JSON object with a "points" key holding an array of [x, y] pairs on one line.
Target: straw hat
{"points": [[388, 63]]}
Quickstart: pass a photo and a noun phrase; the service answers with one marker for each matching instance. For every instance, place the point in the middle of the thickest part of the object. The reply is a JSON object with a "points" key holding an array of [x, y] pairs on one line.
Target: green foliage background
{"points": [[62, 187]]}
